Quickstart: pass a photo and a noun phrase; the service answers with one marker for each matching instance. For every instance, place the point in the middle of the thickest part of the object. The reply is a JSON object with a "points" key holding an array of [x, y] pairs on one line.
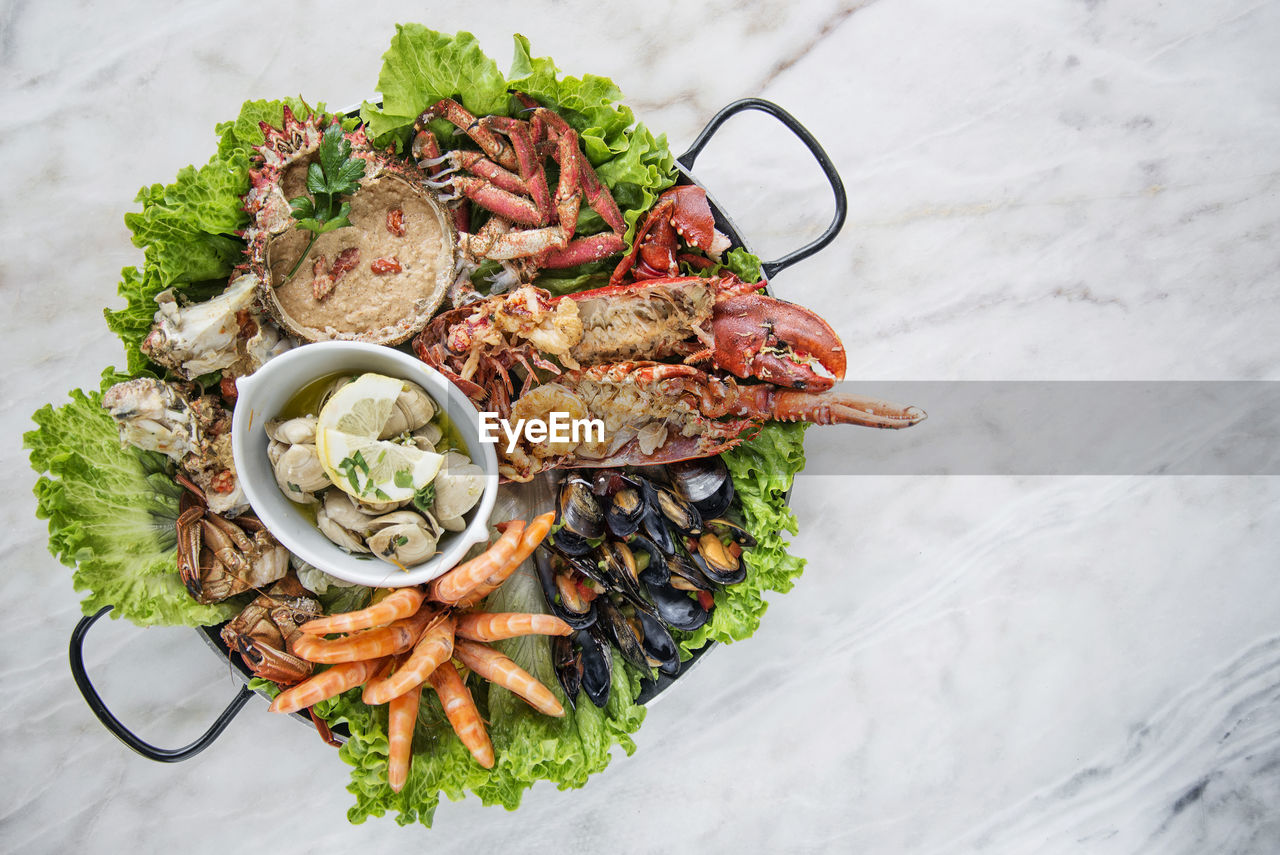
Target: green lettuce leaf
{"points": [[421, 67], [762, 470], [111, 513]]}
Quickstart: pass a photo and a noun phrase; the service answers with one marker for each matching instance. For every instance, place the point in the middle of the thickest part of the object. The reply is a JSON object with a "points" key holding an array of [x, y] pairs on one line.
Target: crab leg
{"points": [[477, 164], [584, 250], [489, 142], [518, 209], [426, 149], [531, 171], [460, 709]]}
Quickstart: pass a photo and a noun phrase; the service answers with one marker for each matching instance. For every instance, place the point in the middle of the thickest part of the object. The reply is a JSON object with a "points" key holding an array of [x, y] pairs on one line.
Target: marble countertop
{"points": [[1005, 663]]}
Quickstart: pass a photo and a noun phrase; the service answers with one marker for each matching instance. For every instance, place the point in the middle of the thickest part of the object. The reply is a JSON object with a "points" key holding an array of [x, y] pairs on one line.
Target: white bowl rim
{"points": [[282, 518]]}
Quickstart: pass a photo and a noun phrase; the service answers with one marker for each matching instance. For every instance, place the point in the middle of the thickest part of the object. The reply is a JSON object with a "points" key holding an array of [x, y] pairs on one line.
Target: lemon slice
{"points": [[375, 470], [361, 407]]}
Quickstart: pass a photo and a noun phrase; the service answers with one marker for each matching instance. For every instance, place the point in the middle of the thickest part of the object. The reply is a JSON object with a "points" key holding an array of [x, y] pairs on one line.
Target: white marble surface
{"points": [[1056, 190]]}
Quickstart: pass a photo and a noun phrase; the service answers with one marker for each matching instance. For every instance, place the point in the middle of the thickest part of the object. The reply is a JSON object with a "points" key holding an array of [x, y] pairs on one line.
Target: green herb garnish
{"points": [[332, 175], [403, 479], [423, 498]]}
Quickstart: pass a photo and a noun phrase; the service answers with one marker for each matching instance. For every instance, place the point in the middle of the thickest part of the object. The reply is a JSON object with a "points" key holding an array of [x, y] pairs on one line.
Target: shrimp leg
{"points": [[367, 644], [459, 581], [529, 540], [325, 685], [495, 627], [461, 711], [435, 647], [402, 717], [496, 668], [398, 604]]}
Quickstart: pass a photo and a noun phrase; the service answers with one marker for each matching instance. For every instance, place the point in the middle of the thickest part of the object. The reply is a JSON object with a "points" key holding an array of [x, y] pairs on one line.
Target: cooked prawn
{"points": [[402, 717], [496, 668], [367, 644], [529, 540], [435, 647], [325, 685], [461, 711], [398, 604], [461, 580], [497, 626]]}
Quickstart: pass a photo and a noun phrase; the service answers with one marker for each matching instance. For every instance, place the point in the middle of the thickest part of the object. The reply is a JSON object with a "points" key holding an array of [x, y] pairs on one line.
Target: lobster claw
{"points": [[778, 342], [681, 212]]}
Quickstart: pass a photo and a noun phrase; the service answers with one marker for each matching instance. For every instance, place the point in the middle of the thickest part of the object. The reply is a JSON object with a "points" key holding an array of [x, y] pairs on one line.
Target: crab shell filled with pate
{"points": [[378, 281]]}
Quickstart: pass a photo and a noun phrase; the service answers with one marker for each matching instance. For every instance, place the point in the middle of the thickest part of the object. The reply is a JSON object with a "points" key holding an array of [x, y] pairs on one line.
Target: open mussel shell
{"points": [[656, 570], [619, 620], [679, 513], [705, 482], [579, 510], [557, 575], [619, 570], [676, 608], [684, 575], [566, 658], [597, 664], [724, 527], [658, 645], [624, 510], [716, 561]]}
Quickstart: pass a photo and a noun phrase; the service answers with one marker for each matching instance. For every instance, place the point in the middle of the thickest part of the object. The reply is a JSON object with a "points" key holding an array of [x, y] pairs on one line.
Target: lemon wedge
{"points": [[361, 407], [351, 454], [375, 470]]}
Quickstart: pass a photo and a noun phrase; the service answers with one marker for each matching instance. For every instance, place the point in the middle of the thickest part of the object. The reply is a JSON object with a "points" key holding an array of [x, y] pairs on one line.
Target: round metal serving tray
{"points": [[651, 690]]}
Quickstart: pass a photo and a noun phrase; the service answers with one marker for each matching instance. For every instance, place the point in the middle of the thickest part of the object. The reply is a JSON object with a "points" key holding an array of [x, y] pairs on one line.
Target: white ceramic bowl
{"points": [[261, 397]]}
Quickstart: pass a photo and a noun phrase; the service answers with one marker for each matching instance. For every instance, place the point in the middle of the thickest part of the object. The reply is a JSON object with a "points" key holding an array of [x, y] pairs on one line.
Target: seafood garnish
{"points": [[194, 430], [407, 639], [224, 333]]}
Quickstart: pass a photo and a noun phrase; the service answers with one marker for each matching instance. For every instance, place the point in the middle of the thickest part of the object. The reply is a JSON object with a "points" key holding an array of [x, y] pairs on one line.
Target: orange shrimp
{"points": [[461, 711], [435, 646], [398, 604], [325, 685], [529, 540], [367, 644], [459, 581], [496, 668], [495, 627], [402, 717]]}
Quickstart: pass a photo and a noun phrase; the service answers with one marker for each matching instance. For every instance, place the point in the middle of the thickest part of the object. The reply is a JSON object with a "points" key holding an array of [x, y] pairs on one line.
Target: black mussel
{"points": [[619, 570], [563, 585], [684, 575], [679, 513], [624, 510], [618, 618], [655, 524], [731, 529], [656, 569], [579, 513], [659, 647], [676, 608], [720, 563], [705, 482], [566, 657], [597, 664]]}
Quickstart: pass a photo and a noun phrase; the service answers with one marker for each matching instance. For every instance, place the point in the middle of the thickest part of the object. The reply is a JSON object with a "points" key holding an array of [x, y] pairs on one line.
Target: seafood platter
{"points": [[294, 459]]}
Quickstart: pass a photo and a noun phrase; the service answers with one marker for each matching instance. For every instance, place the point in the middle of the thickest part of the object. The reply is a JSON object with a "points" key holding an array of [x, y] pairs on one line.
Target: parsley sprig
{"points": [[333, 174]]}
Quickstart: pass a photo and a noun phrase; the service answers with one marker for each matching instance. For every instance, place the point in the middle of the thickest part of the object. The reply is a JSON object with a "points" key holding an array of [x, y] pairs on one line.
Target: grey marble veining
{"points": [[1054, 191]]}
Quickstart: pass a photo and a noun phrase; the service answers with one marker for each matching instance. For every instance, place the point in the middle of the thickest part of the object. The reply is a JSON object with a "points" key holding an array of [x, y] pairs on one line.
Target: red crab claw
{"points": [[681, 212], [775, 341], [821, 408]]}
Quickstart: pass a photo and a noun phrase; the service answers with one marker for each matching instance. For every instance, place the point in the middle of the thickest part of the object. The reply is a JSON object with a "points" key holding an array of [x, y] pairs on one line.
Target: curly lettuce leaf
{"points": [[421, 67], [762, 471], [111, 513]]}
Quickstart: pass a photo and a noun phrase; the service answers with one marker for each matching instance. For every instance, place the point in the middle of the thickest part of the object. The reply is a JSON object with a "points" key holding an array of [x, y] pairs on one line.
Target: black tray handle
{"points": [[828, 168], [128, 737]]}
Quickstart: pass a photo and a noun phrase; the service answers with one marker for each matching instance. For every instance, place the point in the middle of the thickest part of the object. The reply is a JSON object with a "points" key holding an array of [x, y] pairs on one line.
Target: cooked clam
{"points": [[413, 408], [299, 473], [403, 544]]}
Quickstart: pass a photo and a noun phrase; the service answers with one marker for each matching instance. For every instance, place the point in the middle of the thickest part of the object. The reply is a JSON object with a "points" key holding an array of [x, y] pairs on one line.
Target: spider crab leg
{"points": [[490, 143]]}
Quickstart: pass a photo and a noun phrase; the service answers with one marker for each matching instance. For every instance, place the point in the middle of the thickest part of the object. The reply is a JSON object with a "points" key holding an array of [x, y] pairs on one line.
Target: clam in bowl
{"points": [[278, 390]]}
